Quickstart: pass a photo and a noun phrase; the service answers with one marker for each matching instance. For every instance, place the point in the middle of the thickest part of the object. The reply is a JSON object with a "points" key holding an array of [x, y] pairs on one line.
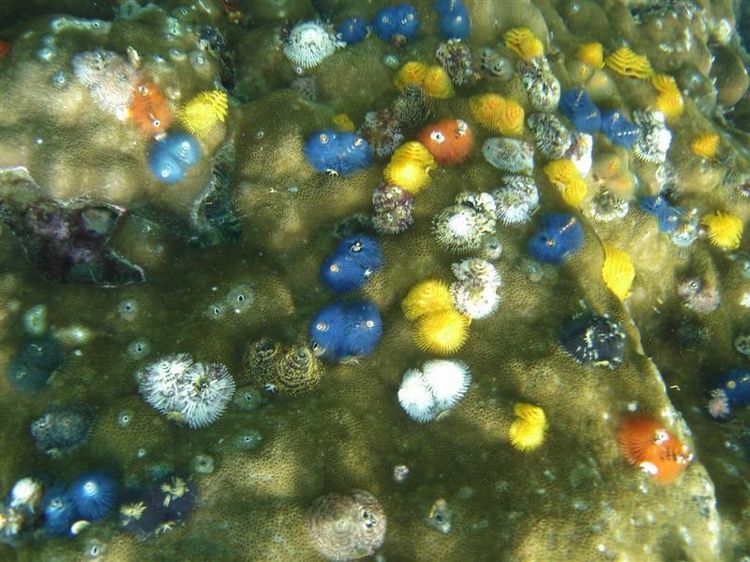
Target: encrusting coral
{"points": [[548, 328]]}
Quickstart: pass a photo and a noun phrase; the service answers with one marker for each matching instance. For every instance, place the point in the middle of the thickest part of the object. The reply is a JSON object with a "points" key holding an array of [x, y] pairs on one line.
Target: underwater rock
{"points": [[36, 361], [66, 244]]}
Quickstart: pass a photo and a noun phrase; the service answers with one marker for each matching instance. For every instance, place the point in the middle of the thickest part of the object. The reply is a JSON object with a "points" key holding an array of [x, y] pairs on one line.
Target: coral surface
{"points": [[603, 304]]}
